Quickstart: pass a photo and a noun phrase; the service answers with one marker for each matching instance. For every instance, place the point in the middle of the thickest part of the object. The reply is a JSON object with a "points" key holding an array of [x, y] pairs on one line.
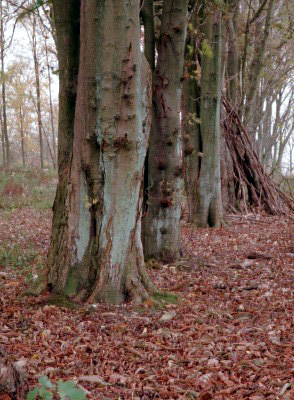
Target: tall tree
{"points": [[37, 85], [257, 62], [96, 251], [5, 138], [192, 145], [209, 193], [165, 169], [51, 105]]}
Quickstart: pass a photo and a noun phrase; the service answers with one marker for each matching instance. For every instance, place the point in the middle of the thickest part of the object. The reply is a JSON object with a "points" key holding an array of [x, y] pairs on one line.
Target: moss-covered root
{"points": [[37, 287]]}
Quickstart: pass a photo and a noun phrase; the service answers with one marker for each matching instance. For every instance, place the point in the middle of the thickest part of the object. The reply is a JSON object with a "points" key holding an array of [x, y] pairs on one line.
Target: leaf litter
{"points": [[230, 335]]}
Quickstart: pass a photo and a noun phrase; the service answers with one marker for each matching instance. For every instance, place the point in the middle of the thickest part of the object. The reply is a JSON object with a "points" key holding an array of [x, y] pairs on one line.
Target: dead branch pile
{"points": [[262, 192]]}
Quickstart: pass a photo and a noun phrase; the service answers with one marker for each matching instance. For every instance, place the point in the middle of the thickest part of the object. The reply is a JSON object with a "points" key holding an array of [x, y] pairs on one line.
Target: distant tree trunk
{"points": [[51, 106], [165, 174], [257, 65], [264, 142], [147, 15], [233, 93], [210, 203], [281, 122], [6, 143], [276, 128], [192, 145], [291, 153], [233, 86], [2, 139], [96, 251], [22, 136], [38, 91]]}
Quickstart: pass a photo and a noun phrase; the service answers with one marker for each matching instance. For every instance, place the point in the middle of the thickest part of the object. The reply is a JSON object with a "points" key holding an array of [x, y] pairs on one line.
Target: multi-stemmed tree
{"points": [[105, 97]]}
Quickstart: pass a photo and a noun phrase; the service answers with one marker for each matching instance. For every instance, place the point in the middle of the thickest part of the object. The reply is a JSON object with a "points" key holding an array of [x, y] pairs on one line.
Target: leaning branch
{"points": [[263, 192]]}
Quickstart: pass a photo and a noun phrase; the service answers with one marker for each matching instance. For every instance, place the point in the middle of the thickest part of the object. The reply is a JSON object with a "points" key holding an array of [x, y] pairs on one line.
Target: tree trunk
{"points": [[38, 92], [257, 64], [233, 86], [165, 174], [22, 136], [2, 138], [192, 145], [96, 251], [147, 14], [210, 203], [51, 106], [6, 142], [264, 143]]}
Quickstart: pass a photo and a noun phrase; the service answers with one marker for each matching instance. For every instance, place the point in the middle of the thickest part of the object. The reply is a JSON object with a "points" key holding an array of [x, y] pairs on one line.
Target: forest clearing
{"points": [[225, 332]]}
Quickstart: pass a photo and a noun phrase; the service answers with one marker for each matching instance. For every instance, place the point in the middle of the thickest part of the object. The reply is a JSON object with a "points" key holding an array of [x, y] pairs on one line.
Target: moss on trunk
{"points": [[96, 251], [165, 170]]}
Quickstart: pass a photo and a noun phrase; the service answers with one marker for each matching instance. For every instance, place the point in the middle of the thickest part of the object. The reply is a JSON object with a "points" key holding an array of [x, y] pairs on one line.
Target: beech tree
{"points": [[19, 84], [201, 112], [5, 139], [209, 209], [165, 169], [96, 251], [192, 144]]}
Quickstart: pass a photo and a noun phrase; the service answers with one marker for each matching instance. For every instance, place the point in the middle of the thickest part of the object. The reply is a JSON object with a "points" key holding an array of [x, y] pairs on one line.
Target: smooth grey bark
{"points": [[192, 145], [265, 137], [38, 91], [2, 139], [232, 67], [165, 168], [210, 210], [282, 125], [257, 64], [22, 135], [147, 14], [5, 141], [96, 251], [51, 107]]}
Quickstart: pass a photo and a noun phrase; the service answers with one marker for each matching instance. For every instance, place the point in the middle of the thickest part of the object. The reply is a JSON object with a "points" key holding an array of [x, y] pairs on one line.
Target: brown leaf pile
{"points": [[231, 335]]}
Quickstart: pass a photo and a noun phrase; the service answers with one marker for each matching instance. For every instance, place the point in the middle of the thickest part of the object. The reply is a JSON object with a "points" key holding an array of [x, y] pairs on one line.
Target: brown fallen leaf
{"points": [[93, 378], [167, 316]]}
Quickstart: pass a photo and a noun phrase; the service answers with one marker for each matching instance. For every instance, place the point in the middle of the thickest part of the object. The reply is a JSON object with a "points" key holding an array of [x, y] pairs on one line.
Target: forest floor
{"points": [[230, 334]]}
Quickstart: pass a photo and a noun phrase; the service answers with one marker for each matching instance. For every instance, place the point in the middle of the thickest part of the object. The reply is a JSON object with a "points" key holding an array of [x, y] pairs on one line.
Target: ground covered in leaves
{"points": [[230, 334]]}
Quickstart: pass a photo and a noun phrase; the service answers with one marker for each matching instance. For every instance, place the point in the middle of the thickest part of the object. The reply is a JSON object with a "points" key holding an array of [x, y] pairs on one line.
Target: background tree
{"points": [[20, 114], [192, 149], [165, 169], [209, 209], [3, 44]]}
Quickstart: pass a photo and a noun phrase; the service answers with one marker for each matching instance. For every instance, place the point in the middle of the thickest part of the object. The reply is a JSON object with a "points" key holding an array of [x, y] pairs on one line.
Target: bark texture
{"points": [[5, 138], [209, 193], [99, 255], [192, 145], [38, 90], [257, 65], [165, 169]]}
